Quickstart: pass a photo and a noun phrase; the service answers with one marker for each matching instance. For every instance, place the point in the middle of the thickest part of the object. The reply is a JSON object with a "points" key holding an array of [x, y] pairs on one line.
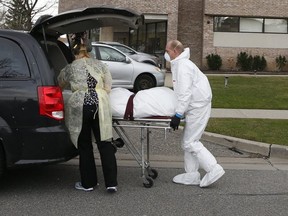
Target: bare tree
{"points": [[2, 17], [20, 14]]}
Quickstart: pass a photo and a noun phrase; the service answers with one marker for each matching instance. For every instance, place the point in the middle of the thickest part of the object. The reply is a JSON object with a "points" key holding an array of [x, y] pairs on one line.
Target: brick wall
{"points": [[190, 27], [276, 8], [169, 7]]}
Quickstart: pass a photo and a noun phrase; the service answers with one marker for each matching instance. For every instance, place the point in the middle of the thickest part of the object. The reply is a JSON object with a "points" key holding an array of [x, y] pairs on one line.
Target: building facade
{"points": [[223, 27], [257, 27]]}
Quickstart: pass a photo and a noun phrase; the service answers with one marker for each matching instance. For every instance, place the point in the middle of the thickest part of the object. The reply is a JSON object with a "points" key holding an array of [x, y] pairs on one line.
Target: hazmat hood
{"points": [[85, 19]]}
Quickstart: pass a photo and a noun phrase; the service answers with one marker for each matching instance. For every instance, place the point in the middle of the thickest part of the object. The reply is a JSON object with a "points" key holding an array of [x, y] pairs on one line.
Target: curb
{"points": [[279, 151], [265, 149]]}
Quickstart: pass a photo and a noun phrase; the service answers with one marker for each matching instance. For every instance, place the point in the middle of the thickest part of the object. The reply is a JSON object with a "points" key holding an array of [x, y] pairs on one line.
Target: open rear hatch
{"points": [[80, 20]]}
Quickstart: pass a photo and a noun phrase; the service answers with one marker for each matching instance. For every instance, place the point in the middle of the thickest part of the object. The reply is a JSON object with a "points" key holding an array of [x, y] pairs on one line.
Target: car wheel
{"points": [[2, 162], [144, 81]]}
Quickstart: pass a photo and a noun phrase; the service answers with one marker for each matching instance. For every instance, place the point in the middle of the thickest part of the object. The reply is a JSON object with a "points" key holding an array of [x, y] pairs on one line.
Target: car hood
{"points": [[146, 54], [84, 19]]}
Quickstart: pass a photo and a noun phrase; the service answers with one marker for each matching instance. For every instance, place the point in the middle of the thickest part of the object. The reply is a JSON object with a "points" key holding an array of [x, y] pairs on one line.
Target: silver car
{"points": [[125, 71], [137, 56]]}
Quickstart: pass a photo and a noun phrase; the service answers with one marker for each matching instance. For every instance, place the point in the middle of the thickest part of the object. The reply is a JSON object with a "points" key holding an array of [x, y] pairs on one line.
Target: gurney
{"points": [[145, 125], [144, 120]]}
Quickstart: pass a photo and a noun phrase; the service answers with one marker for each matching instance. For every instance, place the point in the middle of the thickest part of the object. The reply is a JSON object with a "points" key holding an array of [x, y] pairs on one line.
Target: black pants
{"points": [[106, 149]]}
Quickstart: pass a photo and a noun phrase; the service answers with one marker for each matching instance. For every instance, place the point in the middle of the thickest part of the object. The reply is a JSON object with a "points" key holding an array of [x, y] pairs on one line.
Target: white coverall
{"points": [[194, 97]]}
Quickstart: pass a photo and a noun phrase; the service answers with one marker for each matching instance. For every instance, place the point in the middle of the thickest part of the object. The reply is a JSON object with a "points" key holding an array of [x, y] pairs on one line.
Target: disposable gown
{"points": [[75, 74]]}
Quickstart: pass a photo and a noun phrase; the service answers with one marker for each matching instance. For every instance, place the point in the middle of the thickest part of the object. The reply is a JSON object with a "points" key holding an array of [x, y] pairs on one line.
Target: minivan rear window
{"points": [[13, 63]]}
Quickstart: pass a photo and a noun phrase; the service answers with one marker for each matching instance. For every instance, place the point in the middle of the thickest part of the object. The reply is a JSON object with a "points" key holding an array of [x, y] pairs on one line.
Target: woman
{"points": [[89, 109]]}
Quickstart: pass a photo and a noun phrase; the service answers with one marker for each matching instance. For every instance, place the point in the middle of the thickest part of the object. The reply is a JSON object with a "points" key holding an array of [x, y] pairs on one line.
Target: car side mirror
{"points": [[127, 60]]}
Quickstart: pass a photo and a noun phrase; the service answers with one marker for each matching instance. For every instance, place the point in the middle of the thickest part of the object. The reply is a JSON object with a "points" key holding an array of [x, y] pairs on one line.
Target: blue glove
{"points": [[175, 121]]}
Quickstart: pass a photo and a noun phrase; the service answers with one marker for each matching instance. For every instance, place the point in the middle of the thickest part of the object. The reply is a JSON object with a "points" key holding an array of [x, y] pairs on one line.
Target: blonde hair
{"points": [[81, 51]]}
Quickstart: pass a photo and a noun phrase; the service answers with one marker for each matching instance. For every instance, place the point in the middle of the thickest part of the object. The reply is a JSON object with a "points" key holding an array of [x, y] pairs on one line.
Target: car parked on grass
{"points": [[125, 71], [32, 124], [137, 56]]}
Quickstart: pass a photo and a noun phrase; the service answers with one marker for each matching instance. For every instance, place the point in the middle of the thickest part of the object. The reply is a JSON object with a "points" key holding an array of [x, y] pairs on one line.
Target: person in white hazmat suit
{"points": [[194, 97]]}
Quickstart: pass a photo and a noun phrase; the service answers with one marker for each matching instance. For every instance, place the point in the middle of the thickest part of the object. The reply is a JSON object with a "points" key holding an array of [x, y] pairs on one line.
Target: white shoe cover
{"points": [[187, 178], [212, 176]]}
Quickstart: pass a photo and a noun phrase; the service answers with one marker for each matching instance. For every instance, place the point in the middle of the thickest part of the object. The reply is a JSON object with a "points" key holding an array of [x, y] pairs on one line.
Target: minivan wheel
{"points": [[144, 81], [2, 162]]}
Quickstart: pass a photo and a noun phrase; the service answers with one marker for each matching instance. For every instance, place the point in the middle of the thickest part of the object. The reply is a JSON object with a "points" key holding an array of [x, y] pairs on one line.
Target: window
{"points": [[161, 38], [226, 24], [275, 25], [13, 63], [250, 24], [108, 54], [150, 38], [55, 55]]}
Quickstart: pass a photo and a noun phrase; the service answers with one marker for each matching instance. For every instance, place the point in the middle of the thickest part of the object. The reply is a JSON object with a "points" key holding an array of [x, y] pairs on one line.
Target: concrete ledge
{"points": [[279, 151], [265, 149], [241, 144]]}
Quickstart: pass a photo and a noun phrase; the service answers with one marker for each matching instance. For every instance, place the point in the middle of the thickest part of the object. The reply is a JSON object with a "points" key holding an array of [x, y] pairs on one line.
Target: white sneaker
{"points": [[212, 176], [111, 189], [187, 178], [79, 186]]}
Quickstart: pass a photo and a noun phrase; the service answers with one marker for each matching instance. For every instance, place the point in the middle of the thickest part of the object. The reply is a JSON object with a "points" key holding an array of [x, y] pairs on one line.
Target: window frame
{"points": [[216, 29]]}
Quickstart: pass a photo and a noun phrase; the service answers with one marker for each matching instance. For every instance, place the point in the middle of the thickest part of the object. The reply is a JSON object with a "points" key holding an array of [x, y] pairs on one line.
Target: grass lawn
{"points": [[260, 130], [251, 92]]}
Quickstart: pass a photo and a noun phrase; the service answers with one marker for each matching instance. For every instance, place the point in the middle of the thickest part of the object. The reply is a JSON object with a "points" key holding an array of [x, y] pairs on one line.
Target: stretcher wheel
{"points": [[148, 182], [153, 173], [119, 143]]}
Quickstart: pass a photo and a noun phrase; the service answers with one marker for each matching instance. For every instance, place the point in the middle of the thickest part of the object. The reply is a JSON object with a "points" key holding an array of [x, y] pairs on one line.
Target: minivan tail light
{"points": [[51, 102]]}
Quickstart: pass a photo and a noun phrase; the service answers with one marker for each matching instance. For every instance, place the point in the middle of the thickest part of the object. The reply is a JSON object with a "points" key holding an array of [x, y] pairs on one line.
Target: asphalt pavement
{"points": [[255, 182]]}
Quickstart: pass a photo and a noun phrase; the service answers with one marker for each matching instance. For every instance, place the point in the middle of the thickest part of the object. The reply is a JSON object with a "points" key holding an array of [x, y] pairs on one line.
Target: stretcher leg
{"points": [[148, 174]]}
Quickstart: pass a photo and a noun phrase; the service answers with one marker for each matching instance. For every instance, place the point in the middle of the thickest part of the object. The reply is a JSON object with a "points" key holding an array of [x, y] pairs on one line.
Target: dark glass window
{"points": [[226, 24], [13, 63], [150, 38], [250, 24]]}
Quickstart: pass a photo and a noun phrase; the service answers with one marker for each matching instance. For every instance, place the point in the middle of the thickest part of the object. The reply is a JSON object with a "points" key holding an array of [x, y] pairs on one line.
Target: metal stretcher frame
{"points": [[148, 174]]}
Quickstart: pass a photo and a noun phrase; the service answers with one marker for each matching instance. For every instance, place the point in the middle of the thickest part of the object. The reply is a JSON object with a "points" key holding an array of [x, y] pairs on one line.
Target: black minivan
{"points": [[32, 123]]}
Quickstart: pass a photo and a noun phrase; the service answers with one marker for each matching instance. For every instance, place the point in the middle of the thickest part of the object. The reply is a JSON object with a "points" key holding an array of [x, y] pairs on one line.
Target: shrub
{"points": [[281, 62], [214, 61], [247, 62], [244, 62], [259, 63]]}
